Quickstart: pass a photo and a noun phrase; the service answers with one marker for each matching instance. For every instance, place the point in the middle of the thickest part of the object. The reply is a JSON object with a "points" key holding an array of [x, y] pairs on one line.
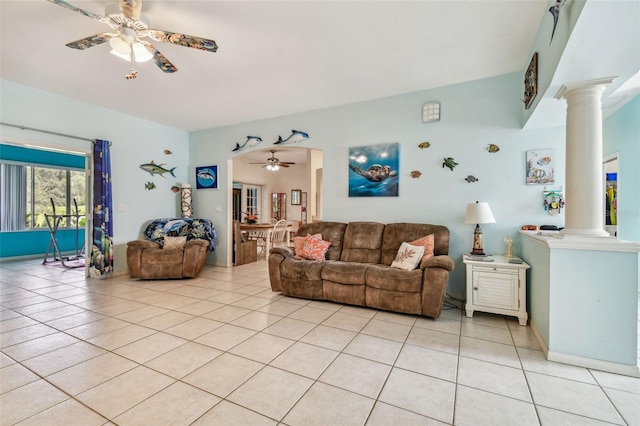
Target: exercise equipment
{"points": [[53, 222]]}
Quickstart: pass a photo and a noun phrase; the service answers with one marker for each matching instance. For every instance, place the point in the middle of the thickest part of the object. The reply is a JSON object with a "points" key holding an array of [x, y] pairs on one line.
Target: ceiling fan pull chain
{"points": [[133, 74]]}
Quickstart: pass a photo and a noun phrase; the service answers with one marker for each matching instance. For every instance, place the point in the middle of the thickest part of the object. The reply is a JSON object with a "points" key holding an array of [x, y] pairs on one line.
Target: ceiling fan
{"points": [[130, 28], [274, 163]]}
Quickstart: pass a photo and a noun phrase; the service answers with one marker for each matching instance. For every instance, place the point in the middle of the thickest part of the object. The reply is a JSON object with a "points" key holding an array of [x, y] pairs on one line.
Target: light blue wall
{"points": [[134, 141], [621, 134], [538, 277], [474, 115], [594, 309]]}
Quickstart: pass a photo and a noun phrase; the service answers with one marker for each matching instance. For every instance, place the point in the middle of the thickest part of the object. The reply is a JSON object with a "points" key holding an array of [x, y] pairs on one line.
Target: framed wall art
{"points": [[207, 177], [531, 82], [540, 166], [295, 197], [373, 170]]}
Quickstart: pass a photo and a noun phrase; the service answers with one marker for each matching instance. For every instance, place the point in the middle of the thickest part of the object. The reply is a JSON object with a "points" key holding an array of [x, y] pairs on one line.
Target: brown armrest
{"points": [[203, 243], [285, 251], [441, 261], [143, 244]]}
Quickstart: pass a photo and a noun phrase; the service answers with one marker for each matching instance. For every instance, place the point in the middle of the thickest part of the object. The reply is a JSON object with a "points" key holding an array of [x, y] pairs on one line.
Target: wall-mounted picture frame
{"points": [[207, 177], [374, 170], [540, 167], [295, 197], [531, 82]]}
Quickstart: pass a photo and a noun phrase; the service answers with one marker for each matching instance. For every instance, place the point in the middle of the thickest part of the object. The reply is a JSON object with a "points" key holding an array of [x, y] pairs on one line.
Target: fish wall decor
{"points": [[167, 152], [156, 169], [206, 174], [493, 148], [149, 186], [295, 137], [471, 179], [416, 174], [424, 145], [249, 143]]}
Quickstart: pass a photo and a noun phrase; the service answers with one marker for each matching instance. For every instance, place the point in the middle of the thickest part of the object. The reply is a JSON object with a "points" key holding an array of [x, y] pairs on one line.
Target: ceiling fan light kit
{"points": [[131, 27], [273, 163]]}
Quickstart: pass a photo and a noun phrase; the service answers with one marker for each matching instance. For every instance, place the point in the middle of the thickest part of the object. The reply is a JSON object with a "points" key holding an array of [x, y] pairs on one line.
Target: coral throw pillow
{"points": [[428, 243], [314, 248], [298, 244], [408, 257], [174, 243]]}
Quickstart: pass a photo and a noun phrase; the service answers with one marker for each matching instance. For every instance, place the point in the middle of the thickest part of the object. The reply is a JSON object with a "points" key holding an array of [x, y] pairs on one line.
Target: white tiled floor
{"points": [[223, 349]]}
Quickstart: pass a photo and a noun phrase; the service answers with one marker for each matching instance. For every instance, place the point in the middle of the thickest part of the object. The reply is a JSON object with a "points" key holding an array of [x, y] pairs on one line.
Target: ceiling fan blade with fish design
{"points": [[130, 28]]}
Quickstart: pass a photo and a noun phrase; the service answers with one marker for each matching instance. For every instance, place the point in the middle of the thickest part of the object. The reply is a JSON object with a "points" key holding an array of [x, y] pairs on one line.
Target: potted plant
{"points": [[250, 217]]}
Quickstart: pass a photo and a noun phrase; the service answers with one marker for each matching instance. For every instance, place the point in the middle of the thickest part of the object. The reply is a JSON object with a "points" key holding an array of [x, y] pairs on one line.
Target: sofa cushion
{"points": [[393, 279], [301, 270], [397, 233], [362, 242], [345, 272], [408, 257]]}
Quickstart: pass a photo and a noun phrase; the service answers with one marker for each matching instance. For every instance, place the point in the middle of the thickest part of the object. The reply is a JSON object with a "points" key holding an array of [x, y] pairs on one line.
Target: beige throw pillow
{"points": [[408, 257], [174, 243]]}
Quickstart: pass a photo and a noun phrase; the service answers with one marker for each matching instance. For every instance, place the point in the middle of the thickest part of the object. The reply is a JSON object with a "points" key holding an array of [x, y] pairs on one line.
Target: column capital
{"points": [[582, 85]]}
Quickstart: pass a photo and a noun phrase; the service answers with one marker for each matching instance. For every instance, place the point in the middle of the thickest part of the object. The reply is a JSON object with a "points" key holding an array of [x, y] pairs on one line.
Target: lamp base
{"points": [[477, 252], [477, 242]]}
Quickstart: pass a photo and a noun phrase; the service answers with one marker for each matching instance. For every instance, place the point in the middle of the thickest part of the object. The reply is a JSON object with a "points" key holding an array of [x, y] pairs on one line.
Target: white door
{"points": [[251, 199]]}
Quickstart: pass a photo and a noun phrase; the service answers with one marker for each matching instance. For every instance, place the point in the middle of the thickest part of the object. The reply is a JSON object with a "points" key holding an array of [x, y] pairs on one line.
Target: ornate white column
{"points": [[584, 181]]}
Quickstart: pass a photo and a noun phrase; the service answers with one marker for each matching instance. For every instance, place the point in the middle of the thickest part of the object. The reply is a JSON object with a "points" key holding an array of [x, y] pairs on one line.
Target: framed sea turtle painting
{"points": [[540, 166], [373, 170], [207, 177]]}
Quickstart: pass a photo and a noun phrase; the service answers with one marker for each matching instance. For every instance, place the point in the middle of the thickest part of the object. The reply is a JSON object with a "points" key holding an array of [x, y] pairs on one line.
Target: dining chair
{"points": [[260, 236], [279, 234]]}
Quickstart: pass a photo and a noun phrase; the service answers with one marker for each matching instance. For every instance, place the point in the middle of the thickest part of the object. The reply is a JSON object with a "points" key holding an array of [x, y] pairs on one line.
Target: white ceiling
{"points": [[274, 58]]}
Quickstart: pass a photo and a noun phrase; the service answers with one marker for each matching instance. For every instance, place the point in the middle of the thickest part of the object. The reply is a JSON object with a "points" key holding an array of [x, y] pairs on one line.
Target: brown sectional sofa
{"points": [[358, 272]]}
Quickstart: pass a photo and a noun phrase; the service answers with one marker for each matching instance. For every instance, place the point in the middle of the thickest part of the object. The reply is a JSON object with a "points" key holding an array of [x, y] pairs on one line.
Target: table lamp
{"points": [[478, 213]]}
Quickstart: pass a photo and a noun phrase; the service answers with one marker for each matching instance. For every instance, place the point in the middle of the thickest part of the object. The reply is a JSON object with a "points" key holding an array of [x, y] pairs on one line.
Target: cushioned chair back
{"points": [[397, 233], [362, 242], [330, 231]]}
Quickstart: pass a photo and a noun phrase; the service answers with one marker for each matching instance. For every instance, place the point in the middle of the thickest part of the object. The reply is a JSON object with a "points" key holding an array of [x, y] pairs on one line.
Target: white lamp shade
{"points": [[479, 213]]}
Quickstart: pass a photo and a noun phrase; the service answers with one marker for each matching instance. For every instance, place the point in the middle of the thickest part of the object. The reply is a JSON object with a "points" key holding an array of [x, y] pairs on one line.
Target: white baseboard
{"points": [[595, 364]]}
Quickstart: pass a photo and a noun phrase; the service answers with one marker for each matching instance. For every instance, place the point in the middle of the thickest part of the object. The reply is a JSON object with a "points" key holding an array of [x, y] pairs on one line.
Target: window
{"points": [[29, 192]]}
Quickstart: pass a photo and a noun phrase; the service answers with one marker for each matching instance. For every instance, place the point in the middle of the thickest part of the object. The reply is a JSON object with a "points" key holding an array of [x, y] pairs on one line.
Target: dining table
{"points": [[265, 230]]}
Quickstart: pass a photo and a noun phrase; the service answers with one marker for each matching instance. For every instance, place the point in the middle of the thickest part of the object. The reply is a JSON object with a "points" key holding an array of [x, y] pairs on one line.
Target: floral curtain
{"points": [[101, 263]]}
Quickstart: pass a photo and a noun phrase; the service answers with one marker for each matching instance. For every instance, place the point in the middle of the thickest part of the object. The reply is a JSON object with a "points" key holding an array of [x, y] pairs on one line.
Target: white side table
{"points": [[494, 285]]}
